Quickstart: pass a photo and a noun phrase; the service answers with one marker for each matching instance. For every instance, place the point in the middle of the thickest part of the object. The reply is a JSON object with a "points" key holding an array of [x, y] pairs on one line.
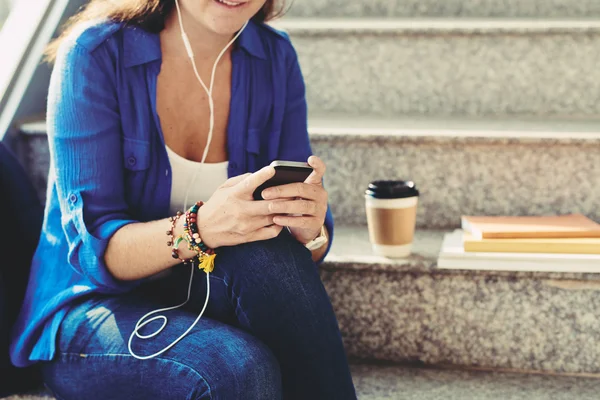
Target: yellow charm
{"points": [[207, 262]]}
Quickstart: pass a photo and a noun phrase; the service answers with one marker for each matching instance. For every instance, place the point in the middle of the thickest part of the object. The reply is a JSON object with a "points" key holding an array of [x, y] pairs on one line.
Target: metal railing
{"points": [[26, 32]]}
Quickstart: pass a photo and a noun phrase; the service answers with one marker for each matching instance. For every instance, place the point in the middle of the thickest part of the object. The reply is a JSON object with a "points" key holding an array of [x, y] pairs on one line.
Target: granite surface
{"points": [[462, 175], [389, 382], [375, 382], [445, 8], [351, 251], [410, 311], [497, 130], [513, 167], [436, 68]]}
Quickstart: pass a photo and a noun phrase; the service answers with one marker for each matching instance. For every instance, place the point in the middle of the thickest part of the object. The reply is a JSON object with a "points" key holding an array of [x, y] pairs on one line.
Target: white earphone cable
{"points": [[141, 323], [208, 90]]}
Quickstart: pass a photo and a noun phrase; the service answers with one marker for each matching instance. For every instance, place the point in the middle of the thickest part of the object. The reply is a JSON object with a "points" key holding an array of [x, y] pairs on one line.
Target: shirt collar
{"points": [[251, 41], [141, 46]]}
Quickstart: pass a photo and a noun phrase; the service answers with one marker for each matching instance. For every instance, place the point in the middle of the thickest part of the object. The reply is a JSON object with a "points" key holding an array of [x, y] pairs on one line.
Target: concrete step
{"points": [[492, 167], [380, 382], [436, 67], [462, 166], [446, 8], [410, 311], [394, 382]]}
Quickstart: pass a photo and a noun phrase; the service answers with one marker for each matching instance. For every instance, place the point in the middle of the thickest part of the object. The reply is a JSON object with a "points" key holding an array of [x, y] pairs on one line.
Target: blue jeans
{"points": [[269, 332]]}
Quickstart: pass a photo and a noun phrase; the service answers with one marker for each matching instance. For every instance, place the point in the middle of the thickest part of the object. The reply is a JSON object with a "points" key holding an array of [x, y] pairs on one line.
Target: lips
{"points": [[231, 4]]}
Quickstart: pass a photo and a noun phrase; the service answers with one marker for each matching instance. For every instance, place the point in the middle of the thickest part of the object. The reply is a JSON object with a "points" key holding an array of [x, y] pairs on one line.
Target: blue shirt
{"points": [[109, 166]]}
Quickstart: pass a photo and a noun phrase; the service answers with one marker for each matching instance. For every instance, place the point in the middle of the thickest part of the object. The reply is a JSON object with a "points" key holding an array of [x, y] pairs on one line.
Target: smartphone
{"points": [[285, 172]]}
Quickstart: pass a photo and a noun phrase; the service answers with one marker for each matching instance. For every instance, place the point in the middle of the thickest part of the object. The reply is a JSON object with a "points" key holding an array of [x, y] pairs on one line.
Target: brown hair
{"points": [[149, 15]]}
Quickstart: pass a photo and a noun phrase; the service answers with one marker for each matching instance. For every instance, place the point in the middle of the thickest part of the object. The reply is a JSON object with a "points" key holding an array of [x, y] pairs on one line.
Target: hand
{"points": [[231, 216], [308, 198]]}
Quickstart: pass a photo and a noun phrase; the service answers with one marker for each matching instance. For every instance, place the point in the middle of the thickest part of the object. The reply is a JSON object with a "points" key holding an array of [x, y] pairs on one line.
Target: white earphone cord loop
{"points": [[141, 323]]}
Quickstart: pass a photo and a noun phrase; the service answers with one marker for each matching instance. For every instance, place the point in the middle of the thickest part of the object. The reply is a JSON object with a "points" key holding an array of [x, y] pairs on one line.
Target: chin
{"points": [[225, 18], [226, 28]]}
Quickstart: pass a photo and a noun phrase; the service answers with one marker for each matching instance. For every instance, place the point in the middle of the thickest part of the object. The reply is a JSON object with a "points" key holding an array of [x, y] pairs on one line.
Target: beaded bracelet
{"points": [[190, 228], [205, 254], [175, 242], [173, 221], [175, 250]]}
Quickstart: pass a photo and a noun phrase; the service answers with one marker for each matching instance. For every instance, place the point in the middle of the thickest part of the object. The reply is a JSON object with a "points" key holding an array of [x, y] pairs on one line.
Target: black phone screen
{"points": [[283, 175]]}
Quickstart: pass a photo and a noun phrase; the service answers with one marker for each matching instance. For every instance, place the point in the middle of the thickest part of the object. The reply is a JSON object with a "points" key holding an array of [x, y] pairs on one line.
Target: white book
{"points": [[453, 256]]}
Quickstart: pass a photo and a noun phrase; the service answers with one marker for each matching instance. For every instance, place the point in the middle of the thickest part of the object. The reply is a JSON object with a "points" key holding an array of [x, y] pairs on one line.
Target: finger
{"points": [[234, 180], [263, 221], [294, 190], [252, 181], [304, 207], [265, 233], [298, 222], [260, 221], [260, 208], [316, 177]]}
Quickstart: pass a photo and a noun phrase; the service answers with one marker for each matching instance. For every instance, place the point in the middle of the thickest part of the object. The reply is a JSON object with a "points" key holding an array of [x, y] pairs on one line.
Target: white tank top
{"points": [[208, 178]]}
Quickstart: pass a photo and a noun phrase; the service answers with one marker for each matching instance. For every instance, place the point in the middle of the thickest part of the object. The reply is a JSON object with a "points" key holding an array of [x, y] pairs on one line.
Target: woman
{"points": [[119, 171]]}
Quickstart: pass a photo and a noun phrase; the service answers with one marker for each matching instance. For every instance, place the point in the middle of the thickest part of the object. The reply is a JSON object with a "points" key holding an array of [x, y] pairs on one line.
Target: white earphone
{"points": [[141, 323]]}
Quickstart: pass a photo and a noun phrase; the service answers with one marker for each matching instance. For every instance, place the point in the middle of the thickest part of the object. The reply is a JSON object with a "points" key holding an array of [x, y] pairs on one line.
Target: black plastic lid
{"points": [[392, 189]]}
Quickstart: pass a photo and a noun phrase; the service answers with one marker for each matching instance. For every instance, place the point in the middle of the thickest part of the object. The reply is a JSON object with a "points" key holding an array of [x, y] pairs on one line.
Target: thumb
{"points": [[316, 177], [249, 184]]}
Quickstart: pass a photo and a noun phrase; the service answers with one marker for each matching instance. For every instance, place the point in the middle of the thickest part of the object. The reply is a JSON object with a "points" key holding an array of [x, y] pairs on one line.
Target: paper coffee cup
{"points": [[391, 216]]}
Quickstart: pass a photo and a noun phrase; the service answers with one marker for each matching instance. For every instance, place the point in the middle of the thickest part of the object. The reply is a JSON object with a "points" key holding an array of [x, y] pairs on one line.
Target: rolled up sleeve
{"points": [[84, 134]]}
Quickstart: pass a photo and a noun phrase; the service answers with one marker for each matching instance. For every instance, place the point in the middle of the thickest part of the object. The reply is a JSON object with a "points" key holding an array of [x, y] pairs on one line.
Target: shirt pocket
{"points": [[136, 154], [272, 151], [253, 150], [253, 143]]}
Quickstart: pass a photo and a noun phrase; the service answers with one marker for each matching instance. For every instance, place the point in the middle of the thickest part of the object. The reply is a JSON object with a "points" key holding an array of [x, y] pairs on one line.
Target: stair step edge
{"points": [[337, 127], [524, 129], [299, 25], [351, 251]]}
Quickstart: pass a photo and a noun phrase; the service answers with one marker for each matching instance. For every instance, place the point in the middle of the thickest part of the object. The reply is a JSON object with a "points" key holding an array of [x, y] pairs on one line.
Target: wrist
{"points": [[202, 226], [319, 241], [184, 251], [321, 236], [178, 228], [299, 235]]}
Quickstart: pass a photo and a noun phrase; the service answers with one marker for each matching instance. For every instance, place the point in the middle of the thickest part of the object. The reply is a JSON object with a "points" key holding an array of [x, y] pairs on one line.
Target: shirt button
{"points": [[166, 172], [73, 198], [131, 161]]}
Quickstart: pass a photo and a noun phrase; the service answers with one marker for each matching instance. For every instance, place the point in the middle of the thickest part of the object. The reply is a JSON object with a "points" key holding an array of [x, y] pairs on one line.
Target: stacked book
{"points": [[565, 243]]}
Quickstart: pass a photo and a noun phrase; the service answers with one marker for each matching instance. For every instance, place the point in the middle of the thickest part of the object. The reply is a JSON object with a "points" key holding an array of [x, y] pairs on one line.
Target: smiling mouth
{"points": [[231, 4]]}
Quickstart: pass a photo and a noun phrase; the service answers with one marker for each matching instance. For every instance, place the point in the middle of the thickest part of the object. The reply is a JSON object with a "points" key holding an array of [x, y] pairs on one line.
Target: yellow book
{"points": [[541, 245], [552, 226]]}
